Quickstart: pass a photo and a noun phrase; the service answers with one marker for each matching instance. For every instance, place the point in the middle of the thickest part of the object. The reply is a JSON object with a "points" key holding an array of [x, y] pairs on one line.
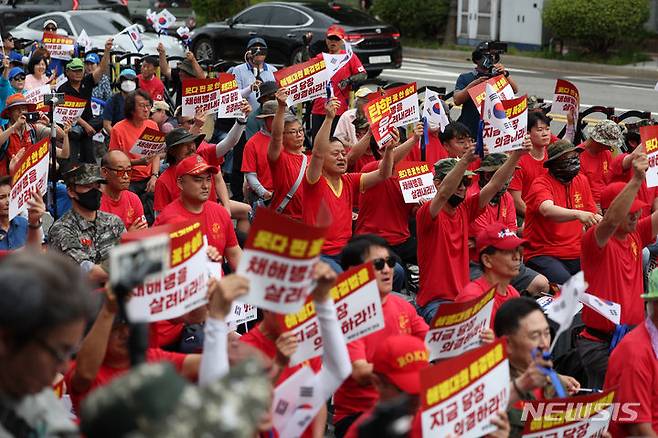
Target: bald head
{"points": [[116, 169], [115, 158]]}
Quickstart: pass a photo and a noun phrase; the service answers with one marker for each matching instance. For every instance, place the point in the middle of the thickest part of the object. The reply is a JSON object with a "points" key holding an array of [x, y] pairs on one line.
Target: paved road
{"points": [[620, 92]]}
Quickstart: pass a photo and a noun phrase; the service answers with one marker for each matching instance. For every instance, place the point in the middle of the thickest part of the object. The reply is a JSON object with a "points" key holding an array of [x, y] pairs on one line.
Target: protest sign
{"points": [[59, 46], [585, 416], [70, 110], [35, 96], [649, 138], [296, 403], [403, 103], [135, 36], [151, 142], [461, 396], [230, 105], [378, 113], [416, 181], [565, 307], [500, 85], [497, 140], [305, 81], [278, 258], [201, 95], [180, 288], [31, 173], [494, 113], [358, 307], [434, 111], [607, 309], [241, 313], [566, 98], [456, 327]]}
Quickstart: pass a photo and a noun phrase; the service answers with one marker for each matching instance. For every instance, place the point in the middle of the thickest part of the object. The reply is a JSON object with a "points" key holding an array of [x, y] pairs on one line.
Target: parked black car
{"points": [[283, 24], [14, 12]]}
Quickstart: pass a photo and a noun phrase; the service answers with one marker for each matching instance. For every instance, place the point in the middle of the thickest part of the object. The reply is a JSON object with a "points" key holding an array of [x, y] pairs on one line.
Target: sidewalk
{"points": [[643, 70]]}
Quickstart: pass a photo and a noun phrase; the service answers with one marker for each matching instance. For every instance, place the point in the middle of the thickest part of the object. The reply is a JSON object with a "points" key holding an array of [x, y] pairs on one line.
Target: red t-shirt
{"points": [[434, 151], [443, 254], [504, 212], [550, 238], [106, 374], [153, 86], [362, 162], [633, 373], [596, 168], [285, 171], [352, 67], [477, 288], [166, 189], [128, 207], [123, 138], [614, 273], [214, 219], [400, 317], [382, 210], [254, 159], [528, 171], [339, 204], [617, 173]]}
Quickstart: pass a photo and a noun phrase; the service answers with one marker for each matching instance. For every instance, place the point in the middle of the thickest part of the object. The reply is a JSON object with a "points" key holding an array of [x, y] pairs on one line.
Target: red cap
{"points": [[611, 191], [335, 30], [400, 359], [498, 236], [194, 165]]}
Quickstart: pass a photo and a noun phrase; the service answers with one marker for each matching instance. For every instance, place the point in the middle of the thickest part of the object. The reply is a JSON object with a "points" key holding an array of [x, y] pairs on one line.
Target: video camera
{"points": [[487, 54]]}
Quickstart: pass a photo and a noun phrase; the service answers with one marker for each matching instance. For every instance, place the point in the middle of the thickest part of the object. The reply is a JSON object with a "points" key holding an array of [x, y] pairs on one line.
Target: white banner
{"points": [[305, 81], [230, 105], [69, 111], [31, 174], [416, 181], [200, 95], [516, 111]]}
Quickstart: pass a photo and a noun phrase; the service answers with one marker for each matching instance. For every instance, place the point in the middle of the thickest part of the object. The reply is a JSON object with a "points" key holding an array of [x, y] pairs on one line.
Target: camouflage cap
{"points": [[558, 149], [492, 162], [85, 173], [533, 102], [444, 166], [652, 289], [607, 133]]}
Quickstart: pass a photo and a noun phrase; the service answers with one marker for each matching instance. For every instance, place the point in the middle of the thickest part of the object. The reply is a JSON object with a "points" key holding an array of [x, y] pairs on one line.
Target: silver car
{"points": [[99, 25]]}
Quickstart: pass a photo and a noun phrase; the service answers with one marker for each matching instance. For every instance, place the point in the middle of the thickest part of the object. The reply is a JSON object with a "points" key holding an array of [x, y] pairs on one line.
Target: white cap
{"points": [[50, 21]]}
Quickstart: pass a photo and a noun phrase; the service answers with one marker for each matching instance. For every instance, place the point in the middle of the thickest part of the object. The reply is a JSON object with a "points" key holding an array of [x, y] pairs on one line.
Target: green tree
{"points": [[597, 25], [414, 18], [208, 11]]}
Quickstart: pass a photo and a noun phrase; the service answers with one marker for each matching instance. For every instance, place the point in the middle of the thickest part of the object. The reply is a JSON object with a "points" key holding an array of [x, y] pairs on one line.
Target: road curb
{"points": [[539, 63]]}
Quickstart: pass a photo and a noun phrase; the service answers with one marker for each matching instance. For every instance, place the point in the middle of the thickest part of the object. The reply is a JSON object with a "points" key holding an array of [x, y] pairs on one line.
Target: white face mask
{"points": [[128, 86]]}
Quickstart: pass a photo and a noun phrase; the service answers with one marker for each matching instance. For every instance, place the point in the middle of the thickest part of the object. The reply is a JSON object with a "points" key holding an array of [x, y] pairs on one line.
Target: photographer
{"points": [[486, 57]]}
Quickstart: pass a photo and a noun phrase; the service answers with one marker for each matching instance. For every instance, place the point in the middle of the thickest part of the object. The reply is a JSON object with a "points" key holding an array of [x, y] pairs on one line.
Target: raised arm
{"points": [[165, 69], [322, 142], [105, 61], [276, 138], [198, 70], [504, 174], [401, 152], [385, 169], [450, 183], [358, 149]]}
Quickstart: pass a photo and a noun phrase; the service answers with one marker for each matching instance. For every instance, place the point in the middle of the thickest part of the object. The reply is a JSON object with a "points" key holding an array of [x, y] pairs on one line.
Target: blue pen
{"points": [[550, 372]]}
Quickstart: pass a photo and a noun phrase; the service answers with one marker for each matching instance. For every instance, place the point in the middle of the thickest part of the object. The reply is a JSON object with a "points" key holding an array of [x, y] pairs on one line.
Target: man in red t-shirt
{"points": [[633, 374], [357, 395], [254, 157], [621, 169], [148, 80], [285, 156], [117, 199], [612, 263], [596, 157], [442, 227], [559, 204]]}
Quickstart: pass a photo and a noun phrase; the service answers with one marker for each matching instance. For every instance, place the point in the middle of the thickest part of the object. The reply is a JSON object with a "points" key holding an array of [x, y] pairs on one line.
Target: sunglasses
{"points": [[380, 262], [19, 78], [333, 38], [120, 172]]}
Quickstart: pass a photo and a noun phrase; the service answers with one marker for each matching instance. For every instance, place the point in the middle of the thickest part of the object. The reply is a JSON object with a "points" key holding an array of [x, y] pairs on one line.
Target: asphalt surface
{"points": [[620, 92]]}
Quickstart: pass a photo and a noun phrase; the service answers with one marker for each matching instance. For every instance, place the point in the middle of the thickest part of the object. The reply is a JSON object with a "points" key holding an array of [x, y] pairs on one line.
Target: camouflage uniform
{"points": [[80, 239]]}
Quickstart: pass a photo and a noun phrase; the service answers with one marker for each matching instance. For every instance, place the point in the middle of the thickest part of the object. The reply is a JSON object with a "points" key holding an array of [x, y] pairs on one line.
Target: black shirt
{"points": [[86, 87]]}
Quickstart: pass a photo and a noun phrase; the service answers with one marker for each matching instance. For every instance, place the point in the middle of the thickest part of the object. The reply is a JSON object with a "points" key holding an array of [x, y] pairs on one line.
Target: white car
{"points": [[99, 25]]}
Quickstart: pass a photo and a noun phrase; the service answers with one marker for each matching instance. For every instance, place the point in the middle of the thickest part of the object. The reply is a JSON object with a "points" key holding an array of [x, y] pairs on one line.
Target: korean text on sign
{"points": [[59, 46], [31, 173], [70, 111], [278, 257], [566, 98], [584, 416], [305, 81], [180, 289], [416, 181], [516, 111], [499, 83], [201, 95], [358, 307], [403, 103], [649, 137], [378, 113], [150, 143], [230, 104], [463, 394]]}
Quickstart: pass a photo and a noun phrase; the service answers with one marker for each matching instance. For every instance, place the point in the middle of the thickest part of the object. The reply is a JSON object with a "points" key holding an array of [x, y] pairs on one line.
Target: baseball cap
{"points": [[128, 73], [400, 359], [335, 30], [559, 148], [492, 162], [75, 64], [49, 22], [194, 165], [498, 236], [160, 105], [93, 58], [610, 192], [268, 109], [607, 133], [363, 92], [15, 72], [267, 88], [85, 173], [187, 67], [444, 166], [256, 40]]}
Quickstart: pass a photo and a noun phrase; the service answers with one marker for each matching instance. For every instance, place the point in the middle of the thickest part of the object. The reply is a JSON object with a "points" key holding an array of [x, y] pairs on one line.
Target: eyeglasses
{"points": [[120, 172], [59, 356], [380, 262], [295, 132], [144, 105]]}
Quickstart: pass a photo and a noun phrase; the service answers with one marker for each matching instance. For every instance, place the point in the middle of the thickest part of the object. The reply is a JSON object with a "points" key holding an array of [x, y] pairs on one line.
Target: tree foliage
{"points": [[414, 18], [208, 11], [597, 25]]}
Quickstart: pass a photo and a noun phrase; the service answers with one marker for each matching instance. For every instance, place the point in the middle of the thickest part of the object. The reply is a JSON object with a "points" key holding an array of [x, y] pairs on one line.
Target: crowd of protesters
{"points": [[521, 223]]}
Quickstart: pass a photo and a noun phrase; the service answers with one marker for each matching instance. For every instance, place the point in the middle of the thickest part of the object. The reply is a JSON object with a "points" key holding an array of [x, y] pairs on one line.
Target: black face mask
{"points": [[565, 170], [90, 200], [496, 198], [455, 200]]}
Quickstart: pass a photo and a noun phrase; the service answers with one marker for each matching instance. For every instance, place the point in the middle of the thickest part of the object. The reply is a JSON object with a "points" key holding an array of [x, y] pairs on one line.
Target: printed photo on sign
{"points": [[278, 258], [230, 105], [499, 83], [151, 142], [378, 114], [305, 81], [456, 327], [31, 174], [516, 113], [201, 95], [69, 111], [461, 395], [649, 138], [584, 416], [566, 98], [416, 181], [358, 308]]}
